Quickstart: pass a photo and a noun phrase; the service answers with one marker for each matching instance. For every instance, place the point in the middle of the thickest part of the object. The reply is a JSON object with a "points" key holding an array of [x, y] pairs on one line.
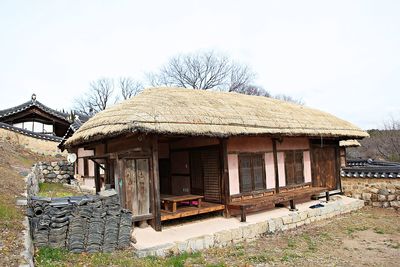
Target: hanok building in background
{"points": [[173, 152], [35, 119]]}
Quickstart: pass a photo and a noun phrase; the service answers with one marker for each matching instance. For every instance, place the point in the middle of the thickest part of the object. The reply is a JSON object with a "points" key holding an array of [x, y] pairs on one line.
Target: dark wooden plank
{"points": [[225, 174], [275, 154], [143, 186], [130, 186], [156, 222]]}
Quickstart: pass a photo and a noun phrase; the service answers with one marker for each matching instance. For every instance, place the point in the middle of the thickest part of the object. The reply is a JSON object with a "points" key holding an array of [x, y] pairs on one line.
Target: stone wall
{"points": [[377, 192], [80, 224], [56, 172]]}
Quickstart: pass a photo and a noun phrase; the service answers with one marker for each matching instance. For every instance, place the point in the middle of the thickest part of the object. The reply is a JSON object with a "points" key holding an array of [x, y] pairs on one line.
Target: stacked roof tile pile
{"points": [[79, 224]]}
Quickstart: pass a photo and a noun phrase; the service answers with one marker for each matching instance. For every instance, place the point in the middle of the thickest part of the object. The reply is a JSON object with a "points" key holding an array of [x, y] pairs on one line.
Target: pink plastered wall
{"points": [[281, 169], [307, 166], [233, 168], [270, 170], [85, 153]]}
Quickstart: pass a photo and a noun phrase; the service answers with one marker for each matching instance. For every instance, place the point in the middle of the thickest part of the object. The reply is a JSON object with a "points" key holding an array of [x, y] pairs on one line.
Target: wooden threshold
{"points": [[206, 207]]}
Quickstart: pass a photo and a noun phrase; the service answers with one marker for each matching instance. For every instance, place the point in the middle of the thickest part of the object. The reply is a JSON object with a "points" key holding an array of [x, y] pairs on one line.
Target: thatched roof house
{"points": [[210, 113], [168, 147]]}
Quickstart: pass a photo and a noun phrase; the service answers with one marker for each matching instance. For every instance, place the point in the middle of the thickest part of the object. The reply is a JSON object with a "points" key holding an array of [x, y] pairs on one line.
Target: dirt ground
{"points": [[15, 164], [369, 237]]}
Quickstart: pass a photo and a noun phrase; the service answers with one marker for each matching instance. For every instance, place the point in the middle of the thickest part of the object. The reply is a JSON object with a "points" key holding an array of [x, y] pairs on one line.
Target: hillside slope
{"points": [[16, 161]]}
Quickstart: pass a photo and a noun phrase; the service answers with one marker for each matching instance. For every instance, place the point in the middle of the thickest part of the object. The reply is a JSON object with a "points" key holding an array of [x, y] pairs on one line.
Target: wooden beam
{"points": [[275, 153], [156, 222]]}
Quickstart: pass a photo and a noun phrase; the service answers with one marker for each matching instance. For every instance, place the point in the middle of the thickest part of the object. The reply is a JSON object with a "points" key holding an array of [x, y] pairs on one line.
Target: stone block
{"points": [[287, 219], [53, 164], [262, 227], [366, 196], [249, 231], [385, 204], [208, 241], [278, 224], [381, 198], [271, 226], [384, 192], [237, 234], [395, 204], [391, 197], [295, 217], [303, 215], [182, 246], [377, 204], [223, 238], [374, 190]]}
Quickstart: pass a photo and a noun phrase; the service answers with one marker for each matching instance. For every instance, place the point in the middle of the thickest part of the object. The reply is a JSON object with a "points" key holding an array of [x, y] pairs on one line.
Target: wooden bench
{"points": [[268, 202], [170, 202]]}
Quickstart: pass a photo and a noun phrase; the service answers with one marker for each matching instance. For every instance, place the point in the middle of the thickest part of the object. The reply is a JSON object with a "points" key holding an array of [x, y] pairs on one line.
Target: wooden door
{"points": [[137, 182], [210, 161], [325, 167]]}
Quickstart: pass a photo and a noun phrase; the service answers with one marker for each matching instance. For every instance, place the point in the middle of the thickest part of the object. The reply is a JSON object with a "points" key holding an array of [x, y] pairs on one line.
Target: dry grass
{"points": [[210, 113], [15, 163]]}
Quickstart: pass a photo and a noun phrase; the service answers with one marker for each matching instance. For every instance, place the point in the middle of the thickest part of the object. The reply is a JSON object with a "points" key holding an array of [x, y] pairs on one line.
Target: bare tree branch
{"points": [[100, 95], [129, 87], [202, 71]]}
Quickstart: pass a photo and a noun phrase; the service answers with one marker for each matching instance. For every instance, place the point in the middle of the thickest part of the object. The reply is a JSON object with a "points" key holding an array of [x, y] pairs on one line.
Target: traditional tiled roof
{"points": [[33, 103], [371, 169], [30, 133]]}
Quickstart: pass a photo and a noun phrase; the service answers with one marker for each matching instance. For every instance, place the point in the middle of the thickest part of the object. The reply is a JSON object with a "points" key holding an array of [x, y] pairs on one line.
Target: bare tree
{"points": [[252, 90], [99, 96], [129, 87], [382, 145], [202, 71], [288, 98]]}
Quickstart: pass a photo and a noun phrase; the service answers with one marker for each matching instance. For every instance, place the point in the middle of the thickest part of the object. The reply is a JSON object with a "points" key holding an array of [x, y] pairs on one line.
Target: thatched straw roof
{"points": [[349, 143], [209, 113]]}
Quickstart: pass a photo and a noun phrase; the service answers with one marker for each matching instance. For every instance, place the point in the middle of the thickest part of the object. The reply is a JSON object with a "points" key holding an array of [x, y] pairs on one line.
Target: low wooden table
{"points": [[170, 201]]}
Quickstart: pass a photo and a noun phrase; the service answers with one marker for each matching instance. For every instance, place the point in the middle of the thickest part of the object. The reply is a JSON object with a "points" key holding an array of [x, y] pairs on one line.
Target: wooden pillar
{"points": [[97, 176], [225, 174], [275, 153], [156, 222]]}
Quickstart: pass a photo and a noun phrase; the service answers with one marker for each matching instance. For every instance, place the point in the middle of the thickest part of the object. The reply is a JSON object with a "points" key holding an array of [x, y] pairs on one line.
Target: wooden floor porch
{"points": [[181, 212]]}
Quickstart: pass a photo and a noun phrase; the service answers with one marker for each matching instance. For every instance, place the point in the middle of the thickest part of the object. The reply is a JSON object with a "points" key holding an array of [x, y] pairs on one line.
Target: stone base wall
{"points": [[56, 172], [377, 192], [249, 232]]}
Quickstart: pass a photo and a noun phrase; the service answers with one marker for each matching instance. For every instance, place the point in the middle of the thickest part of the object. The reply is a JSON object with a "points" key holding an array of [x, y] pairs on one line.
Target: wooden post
{"points": [[274, 151], [97, 176], [225, 174], [156, 222]]}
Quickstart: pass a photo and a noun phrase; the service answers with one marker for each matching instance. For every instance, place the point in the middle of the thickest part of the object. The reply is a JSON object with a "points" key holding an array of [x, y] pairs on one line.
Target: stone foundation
{"points": [[251, 231], [377, 192]]}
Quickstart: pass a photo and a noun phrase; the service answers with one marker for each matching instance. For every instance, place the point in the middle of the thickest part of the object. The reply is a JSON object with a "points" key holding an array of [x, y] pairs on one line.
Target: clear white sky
{"points": [[339, 56]]}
